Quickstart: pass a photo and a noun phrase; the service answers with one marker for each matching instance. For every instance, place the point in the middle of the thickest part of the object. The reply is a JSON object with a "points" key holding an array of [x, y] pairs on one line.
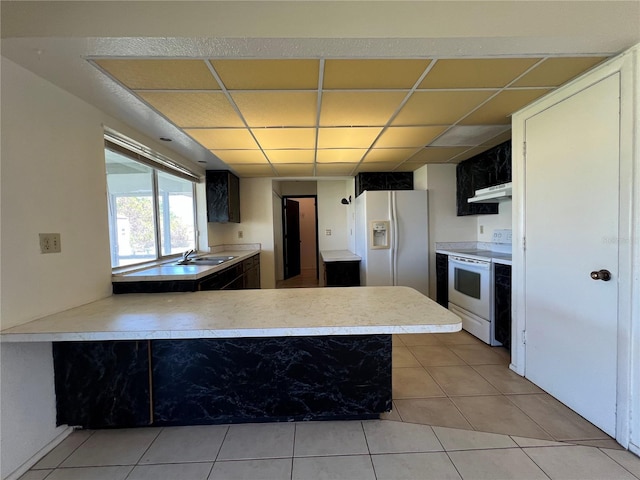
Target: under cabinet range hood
{"points": [[495, 194]]}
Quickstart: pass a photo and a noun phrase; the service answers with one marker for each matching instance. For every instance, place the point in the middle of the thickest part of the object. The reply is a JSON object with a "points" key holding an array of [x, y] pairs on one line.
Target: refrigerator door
{"points": [[376, 264], [411, 254]]}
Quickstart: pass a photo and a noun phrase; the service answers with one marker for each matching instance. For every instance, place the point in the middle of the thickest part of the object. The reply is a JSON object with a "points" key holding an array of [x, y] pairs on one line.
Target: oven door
{"points": [[470, 285]]}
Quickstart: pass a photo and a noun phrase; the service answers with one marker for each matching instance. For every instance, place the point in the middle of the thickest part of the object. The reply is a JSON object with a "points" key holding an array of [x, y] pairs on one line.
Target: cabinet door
{"points": [[442, 279], [223, 196], [502, 303], [484, 170], [102, 384]]}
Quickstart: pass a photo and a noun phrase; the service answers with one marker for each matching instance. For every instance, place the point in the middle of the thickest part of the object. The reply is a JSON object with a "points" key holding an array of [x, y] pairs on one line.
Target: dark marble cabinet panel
{"points": [[342, 274], [502, 303], [383, 181], [102, 384], [442, 279], [223, 196], [489, 168], [206, 381]]}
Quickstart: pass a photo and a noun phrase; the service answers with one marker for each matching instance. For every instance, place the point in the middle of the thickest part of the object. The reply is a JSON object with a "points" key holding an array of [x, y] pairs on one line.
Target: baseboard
{"points": [[40, 454], [634, 449]]}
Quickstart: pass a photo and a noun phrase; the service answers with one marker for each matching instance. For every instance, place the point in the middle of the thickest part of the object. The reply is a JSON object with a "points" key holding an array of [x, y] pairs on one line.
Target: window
{"points": [[151, 204]]}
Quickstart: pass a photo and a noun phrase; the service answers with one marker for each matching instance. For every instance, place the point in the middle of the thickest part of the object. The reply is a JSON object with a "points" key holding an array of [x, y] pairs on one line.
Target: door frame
{"points": [[628, 378], [315, 205]]}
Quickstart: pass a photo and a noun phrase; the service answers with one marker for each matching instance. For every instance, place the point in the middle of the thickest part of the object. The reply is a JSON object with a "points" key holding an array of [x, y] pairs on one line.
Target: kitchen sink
{"points": [[206, 261]]}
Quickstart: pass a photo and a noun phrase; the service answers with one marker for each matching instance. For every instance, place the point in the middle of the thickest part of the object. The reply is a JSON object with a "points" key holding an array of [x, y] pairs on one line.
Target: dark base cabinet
{"points": [[211, 381], [208, 381], [442, 279], [502, 305], [102, 384], [342, 274]]}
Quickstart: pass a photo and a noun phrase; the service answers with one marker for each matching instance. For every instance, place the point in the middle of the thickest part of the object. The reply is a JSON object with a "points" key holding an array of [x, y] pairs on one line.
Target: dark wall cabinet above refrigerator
{"points": [[487, 169], [383, 181]]}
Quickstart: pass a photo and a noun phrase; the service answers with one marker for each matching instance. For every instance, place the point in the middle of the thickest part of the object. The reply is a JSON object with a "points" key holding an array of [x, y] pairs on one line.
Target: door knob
{"points": [[604, 275]]}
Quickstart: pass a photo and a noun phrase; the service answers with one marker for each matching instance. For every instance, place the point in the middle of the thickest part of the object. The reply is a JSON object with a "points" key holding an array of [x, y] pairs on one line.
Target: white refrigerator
{"points": [[392, 238]]}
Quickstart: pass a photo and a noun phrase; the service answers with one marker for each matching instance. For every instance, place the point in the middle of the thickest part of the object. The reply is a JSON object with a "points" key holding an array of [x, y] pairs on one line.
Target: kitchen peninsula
{"points": [[230, 356]]}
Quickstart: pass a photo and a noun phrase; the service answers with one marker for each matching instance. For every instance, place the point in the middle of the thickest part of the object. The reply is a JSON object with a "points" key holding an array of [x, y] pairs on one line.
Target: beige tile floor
{"points": [[459, 413], [306, 279]]}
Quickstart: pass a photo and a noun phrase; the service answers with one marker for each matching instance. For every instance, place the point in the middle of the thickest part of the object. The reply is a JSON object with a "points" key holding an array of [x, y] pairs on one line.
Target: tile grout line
{"points": [[609, 456]]}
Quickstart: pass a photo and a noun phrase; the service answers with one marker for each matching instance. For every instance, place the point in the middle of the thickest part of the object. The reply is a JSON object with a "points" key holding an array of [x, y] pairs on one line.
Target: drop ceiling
{"points": [[335, 117]]}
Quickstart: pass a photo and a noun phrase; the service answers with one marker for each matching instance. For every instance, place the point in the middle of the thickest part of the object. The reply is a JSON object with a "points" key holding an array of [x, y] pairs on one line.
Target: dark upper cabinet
{"points": [[383, 181], [489, 168], [223, 197]]}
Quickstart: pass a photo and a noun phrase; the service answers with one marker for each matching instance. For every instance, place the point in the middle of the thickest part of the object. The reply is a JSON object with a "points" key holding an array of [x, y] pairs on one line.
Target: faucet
{"points": [[185, 256]]}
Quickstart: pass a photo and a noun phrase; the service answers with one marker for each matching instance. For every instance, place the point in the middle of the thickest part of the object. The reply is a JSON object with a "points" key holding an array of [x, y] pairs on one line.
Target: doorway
{"points": [[300, 241]]}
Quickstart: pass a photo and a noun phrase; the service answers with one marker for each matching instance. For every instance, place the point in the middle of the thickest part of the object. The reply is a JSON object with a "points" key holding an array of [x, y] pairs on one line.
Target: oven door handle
{"points": [[470, 263]]}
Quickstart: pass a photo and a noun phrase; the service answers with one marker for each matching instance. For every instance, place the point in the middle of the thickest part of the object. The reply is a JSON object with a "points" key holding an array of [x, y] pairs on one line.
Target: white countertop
{"points": [[243, 313], [488, 255], [339, 256], [172, 271]]}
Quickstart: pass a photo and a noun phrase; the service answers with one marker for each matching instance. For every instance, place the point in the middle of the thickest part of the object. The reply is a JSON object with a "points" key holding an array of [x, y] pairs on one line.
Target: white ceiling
{"points": [[54, 39]]}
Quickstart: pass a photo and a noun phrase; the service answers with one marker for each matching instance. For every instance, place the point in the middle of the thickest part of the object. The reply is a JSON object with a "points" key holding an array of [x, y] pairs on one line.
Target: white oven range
{"points": [[471, 295]]}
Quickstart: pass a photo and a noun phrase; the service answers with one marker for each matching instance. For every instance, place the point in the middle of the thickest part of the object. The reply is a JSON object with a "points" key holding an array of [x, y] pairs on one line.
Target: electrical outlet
{"points": [[50, 243], [481, 228], [240, 234], [327, 232]]}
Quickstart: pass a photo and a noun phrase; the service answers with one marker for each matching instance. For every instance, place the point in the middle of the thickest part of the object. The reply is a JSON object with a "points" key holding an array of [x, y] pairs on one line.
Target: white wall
{"points": [[53, 180], [257, 225], [332, 215], [291, 188], [489, 223], [444, 225]]}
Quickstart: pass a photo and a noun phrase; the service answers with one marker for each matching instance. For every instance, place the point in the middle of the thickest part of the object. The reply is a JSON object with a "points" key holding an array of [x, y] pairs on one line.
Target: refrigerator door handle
{"points": [[394, 227]]}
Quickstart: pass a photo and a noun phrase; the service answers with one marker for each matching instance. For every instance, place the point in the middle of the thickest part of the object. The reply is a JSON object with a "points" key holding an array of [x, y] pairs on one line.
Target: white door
{"points": [[571, 229]]}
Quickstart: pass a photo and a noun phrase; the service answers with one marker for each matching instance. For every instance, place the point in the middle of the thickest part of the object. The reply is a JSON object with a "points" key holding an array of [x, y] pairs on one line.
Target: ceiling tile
{"points": [[469, 153], [439, 108], [389, 154], [283, 138], [223, 138], [378, 166], [409, 167], [194, 109], [281, 74], [556, 71], [497, 140], [332, 169], [291, 156], [342, 137], [240, 156], [408, 136], [468, 135], [277, 109], [294, 170], [340, 155], [253, 170], [436, 154], [372, 74], [367, 109], [161, 74], [476, 73], [498, 110]]}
